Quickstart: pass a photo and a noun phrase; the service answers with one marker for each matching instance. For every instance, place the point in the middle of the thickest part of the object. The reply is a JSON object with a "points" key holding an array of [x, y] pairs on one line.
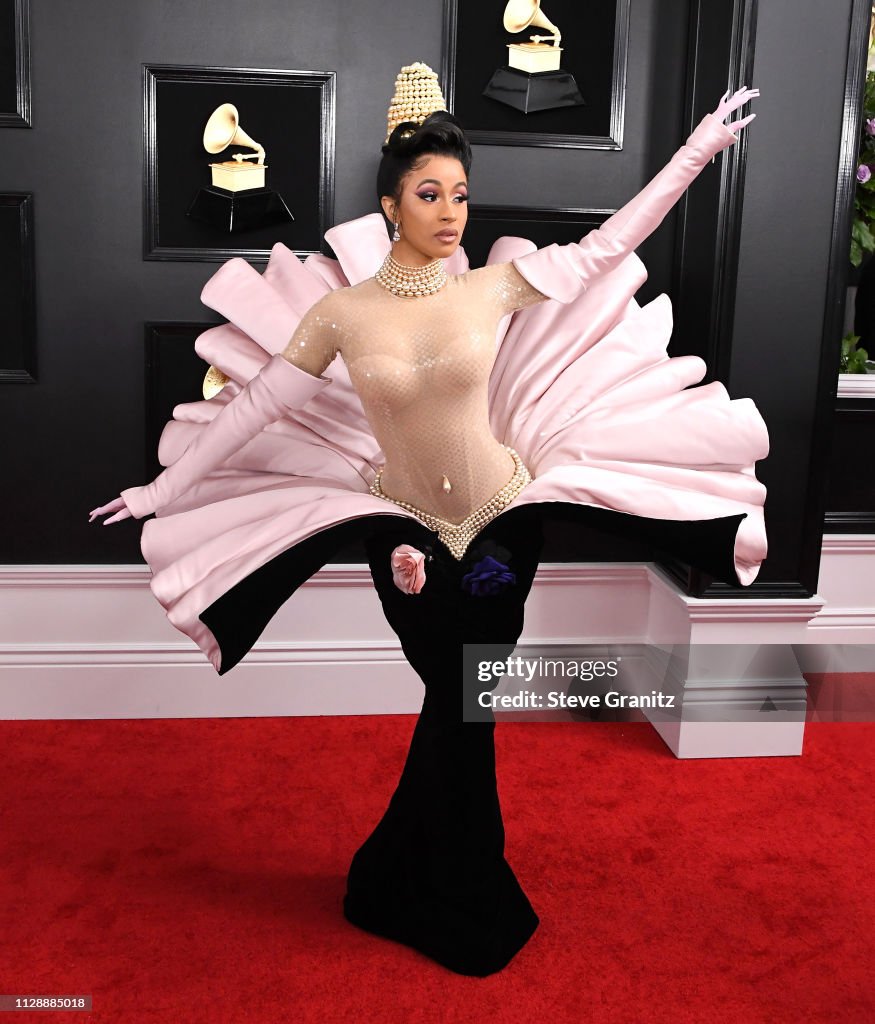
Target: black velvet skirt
{"points": [[433, 874]]}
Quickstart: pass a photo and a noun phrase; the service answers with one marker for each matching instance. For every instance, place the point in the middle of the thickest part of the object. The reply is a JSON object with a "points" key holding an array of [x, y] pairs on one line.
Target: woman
{"points": [[439, 450]]}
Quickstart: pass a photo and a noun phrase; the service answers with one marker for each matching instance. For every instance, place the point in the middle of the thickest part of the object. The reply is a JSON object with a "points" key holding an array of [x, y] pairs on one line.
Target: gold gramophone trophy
{"points": [[532, 78], [238, 198]]}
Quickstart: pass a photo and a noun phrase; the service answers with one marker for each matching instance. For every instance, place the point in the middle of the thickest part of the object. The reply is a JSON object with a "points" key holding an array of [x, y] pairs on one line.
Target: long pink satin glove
{"points": [[278, 387], [562, 271]]}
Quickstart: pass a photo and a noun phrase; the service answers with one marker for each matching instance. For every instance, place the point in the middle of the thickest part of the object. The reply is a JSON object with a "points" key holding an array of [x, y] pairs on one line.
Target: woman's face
{"points": [[432, 211]]}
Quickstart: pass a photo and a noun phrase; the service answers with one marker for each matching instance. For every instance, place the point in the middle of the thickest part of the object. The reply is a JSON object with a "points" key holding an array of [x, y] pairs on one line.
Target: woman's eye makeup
{"points": [[430, 196]]}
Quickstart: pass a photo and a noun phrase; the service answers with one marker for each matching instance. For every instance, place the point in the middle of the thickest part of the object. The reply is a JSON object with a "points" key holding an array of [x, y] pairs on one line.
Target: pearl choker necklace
{"points": [[400, 279]]}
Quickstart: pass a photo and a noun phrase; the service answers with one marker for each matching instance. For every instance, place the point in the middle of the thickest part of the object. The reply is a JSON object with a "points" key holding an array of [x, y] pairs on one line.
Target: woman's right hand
{"points": [[118, 506]]}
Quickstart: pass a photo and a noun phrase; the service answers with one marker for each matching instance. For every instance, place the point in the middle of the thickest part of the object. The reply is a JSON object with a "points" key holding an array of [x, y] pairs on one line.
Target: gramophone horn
{"points": [[519, 14], [223, 130], [214, 381]]}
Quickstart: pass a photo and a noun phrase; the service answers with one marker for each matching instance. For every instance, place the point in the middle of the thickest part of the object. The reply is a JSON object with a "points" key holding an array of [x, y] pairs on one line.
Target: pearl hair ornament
{"points": [[417, 94]]}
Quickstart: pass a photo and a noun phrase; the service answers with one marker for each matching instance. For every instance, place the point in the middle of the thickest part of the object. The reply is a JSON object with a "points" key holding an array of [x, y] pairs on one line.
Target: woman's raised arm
{"points": [[562, 271]]}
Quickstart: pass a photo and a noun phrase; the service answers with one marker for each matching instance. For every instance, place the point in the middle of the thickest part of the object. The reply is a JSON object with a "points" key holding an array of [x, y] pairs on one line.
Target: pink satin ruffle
{"points": [[584, 390]]}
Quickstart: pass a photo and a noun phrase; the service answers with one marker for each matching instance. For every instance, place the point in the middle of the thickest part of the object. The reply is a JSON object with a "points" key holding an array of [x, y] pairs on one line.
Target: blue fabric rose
{"points": [[488, 577]]}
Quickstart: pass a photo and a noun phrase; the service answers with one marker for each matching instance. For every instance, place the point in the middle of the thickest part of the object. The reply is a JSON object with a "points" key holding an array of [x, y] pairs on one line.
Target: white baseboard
{"points": [[90, 641]]}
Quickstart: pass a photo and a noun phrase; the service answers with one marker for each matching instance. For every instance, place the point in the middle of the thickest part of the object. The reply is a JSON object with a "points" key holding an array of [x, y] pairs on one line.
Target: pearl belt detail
{"points": [[457, 536]]}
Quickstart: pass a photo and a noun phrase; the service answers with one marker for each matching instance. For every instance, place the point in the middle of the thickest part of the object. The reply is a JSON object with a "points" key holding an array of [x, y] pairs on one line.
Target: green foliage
{"points": [[853, 359], [862, 236]]}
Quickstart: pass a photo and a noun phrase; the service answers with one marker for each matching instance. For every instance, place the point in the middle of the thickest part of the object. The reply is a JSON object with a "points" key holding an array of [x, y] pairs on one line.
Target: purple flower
{"points": [[870, 126], [863, 173], [488, 577]]}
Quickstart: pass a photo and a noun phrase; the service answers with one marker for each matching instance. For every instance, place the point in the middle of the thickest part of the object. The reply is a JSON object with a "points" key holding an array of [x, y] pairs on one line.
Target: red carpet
{"points": [[193, 870]]}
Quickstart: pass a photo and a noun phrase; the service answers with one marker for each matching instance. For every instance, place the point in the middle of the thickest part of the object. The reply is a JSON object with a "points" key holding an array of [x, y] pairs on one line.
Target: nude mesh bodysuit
{"points": [[420, 366]]}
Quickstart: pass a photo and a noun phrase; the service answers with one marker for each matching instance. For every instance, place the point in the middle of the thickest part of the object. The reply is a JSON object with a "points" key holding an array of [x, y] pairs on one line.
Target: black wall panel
{"points": [[75, 437]]}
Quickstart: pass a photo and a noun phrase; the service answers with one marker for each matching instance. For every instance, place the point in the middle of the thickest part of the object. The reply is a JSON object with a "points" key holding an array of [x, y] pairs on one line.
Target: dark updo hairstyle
{"points": [[440, 134]]}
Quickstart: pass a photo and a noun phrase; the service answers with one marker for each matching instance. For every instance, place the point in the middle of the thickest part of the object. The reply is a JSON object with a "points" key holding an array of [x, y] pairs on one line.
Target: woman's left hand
{"points": [[729, 103], [118, 505]]}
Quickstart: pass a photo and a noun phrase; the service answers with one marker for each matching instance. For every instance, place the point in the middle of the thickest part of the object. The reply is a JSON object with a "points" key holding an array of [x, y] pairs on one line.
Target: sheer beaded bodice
{"points": [[421, 367]]}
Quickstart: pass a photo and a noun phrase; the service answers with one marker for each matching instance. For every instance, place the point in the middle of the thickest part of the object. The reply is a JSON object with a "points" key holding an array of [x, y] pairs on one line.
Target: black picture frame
{"points": [[473, 29], [15, 93], [173, 374], [291, 113], [568, 538], [540, 224], [18, 355], [849, 493]]}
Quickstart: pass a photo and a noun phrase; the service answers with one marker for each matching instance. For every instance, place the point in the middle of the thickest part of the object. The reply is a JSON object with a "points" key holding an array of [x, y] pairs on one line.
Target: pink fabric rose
{"points": [[408, 569]]}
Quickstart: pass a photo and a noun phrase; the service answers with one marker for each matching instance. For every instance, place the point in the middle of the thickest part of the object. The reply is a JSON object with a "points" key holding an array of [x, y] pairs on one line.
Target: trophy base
{"points": [[239, 211], [231, 176], [532, 91]]}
